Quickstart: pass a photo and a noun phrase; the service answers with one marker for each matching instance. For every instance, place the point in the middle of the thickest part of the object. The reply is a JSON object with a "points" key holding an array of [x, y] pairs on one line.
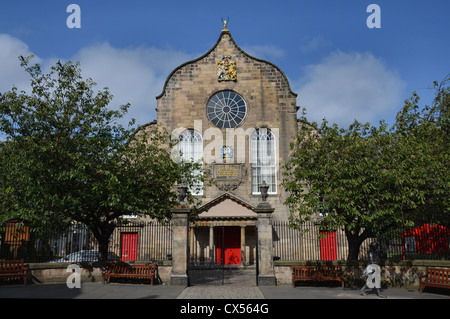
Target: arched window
{"points": [[263, 160], [191, 150]]}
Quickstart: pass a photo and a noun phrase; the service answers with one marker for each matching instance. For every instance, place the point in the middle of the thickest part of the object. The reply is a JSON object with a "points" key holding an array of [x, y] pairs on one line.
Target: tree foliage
{"points": [[65, 157], [422, 158], [369, 179]]}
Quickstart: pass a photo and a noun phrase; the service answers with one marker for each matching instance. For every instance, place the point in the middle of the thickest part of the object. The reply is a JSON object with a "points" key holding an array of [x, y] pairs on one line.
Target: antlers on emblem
{"points": [[225, 22]]}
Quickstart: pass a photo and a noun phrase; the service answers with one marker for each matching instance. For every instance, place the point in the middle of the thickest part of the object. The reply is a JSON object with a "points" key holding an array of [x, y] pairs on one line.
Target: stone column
{"points": [[243, 259], [192, 244], [211, 242], [266, 271], [180, 255]]}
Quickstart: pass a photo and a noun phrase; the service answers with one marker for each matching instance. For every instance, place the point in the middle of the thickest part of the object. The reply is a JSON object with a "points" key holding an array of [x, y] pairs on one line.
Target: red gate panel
{"points": [[426, 239], [228, 245], [128, 244], [328, 246]]}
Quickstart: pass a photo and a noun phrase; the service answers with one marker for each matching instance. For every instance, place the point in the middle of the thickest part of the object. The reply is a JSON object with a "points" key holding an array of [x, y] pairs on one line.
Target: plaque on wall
{"points": [[227, 176]]}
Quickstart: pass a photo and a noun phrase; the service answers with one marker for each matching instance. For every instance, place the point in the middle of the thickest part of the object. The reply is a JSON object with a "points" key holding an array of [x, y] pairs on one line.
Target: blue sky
{"points": [[340, 68]]}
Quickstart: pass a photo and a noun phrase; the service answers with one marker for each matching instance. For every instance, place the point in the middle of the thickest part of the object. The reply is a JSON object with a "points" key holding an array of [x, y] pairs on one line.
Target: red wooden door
{"points": [[128, 244], [228, 245], [328, 246]]}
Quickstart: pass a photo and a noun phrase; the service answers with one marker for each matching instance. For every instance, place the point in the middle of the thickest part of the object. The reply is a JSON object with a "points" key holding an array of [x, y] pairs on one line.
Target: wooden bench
{"points": [[125, 270], [435, 277], [13, 269], [317, 273]]}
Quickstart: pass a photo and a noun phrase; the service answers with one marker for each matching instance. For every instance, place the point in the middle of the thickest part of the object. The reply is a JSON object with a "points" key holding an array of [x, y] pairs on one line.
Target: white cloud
{"points": [[348, 86], [133, 75], [11, 73], [315, 44]]}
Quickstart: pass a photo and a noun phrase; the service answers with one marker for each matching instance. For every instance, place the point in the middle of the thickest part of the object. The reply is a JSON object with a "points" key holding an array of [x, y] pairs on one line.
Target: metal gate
{"points": [[206, 263], [215, 257]]}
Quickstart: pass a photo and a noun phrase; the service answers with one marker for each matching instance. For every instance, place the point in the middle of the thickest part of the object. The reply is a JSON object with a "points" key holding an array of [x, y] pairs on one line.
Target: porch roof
{"points": [[226, 205]]}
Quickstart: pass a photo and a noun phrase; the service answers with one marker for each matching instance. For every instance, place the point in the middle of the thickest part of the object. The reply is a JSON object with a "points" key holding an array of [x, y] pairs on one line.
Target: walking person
{"points": [[373, 271]]}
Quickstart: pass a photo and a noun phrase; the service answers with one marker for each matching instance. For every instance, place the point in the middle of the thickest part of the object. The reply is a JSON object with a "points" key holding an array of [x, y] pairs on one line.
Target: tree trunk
{"points": [[103, 249], [354, 243], [353, 249], [102, 233]]}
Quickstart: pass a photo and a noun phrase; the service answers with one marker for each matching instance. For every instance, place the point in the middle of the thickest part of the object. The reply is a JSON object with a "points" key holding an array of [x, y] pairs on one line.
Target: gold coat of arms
{"points": [[226, 68]]}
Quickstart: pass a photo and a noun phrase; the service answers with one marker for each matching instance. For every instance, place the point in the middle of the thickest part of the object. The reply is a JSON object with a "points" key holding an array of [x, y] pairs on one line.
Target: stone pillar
{"points": [[266, 271], [180, 255], [211, 242], [243, 253], [191, 247]]}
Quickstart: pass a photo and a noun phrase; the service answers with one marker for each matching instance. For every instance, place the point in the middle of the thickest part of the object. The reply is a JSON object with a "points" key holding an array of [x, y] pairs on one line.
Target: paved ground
{"points": [[139, 291], [229, 285]]}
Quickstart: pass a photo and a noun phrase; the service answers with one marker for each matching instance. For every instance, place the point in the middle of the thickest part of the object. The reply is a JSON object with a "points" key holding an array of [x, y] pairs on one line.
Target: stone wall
{"points": [[57, 273], [401, 275]]}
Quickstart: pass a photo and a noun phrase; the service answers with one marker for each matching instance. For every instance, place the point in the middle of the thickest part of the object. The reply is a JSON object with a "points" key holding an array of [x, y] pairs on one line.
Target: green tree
{"points": [[370, 179], [422, 158], [65, 158], [340, 174]]}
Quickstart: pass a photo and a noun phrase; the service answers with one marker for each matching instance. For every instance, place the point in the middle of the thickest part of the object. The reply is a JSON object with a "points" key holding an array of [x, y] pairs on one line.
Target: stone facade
{"points": [[229, 228], [270, 104]]}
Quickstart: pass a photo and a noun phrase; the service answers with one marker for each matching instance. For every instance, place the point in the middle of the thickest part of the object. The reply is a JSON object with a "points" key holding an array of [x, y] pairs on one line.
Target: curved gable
{"points": [[225, 36]]}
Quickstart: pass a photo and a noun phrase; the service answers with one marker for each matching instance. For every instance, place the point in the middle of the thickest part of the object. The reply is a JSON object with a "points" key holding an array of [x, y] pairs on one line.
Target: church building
{"points": [[237, 114]]}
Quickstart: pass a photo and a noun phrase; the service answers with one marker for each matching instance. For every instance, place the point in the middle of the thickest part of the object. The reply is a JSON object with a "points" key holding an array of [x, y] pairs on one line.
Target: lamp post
{"points": [[182, 192], [263, 188]]}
